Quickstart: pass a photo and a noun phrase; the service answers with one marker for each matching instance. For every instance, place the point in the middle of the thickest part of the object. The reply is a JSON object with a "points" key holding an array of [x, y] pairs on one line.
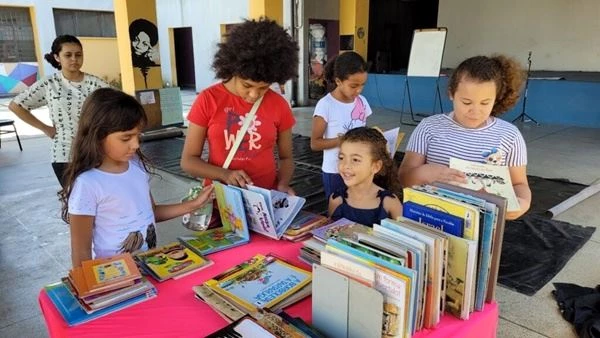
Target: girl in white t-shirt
{"points": [[106, 198], [339, 111]]}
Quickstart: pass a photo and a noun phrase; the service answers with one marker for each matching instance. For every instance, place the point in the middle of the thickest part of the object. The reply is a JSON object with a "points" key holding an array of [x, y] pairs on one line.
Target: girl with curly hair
{"points": [[367, 169], [255, 54], [481, 88]]}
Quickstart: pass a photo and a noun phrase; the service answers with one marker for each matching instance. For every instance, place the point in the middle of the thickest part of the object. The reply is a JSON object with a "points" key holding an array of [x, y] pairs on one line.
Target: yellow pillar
{"points": [[273, 9], [138, 54], [354, 20]]}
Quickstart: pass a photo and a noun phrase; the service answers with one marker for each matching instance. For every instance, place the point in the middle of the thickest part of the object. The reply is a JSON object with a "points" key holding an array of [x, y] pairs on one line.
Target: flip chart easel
{"points": [[425, 60]]}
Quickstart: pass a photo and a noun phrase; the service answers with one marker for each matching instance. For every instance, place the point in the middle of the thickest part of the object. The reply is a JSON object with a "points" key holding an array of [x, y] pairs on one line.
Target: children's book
{"points": [[234, 230], [281, 207], [393, 137], [304, 222], [104, 274], [494, 179], [260, 282], [70, 309], [438, 219], [332, 230], [171, 261]]}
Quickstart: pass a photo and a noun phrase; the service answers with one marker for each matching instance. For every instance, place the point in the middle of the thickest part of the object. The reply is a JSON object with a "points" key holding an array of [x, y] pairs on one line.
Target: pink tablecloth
{"points": [[177, 313]]}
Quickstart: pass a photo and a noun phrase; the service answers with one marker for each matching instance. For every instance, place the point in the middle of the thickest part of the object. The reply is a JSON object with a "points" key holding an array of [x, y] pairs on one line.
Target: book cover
{"points": [[440, 220], [282, 207], [260, 283], [494, 179], [234, 230], [460, 276], [468, 213], [258, 213], [332, 230], [304, 222], [95, 276], [69, 308], [172, 260]]}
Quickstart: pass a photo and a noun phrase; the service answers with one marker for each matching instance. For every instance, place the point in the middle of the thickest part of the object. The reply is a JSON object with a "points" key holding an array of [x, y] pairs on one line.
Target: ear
{"points": [[338, 82], [56, 58], [376, 166]]}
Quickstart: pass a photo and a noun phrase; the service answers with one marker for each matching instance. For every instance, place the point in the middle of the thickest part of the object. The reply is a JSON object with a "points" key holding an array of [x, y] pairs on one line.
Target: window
{"points": [[84, 23], [16, 35]]}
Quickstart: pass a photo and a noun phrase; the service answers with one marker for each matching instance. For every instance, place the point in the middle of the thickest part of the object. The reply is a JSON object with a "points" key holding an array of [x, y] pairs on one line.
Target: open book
{"points": [[493, 179], [394, 138]]}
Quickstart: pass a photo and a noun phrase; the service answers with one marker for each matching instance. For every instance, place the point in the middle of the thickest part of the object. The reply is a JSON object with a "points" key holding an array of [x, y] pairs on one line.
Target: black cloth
{"points": [[59, 170], [580, 306]]}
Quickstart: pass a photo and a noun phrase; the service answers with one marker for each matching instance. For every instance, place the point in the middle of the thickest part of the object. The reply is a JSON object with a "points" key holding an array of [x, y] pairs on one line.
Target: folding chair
{"points": [[6, 123]]}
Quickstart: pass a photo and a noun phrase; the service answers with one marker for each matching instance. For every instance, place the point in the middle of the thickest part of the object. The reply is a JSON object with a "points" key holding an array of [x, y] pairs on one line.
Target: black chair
{"points": [[6, 123]]}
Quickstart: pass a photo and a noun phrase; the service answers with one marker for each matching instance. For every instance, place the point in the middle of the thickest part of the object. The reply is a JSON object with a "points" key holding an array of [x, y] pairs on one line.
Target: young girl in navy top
{"points": [[366, 167]]}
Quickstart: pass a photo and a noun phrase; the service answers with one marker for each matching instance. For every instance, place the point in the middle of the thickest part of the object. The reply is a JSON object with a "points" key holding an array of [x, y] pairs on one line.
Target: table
{"points": [[177, 313]]}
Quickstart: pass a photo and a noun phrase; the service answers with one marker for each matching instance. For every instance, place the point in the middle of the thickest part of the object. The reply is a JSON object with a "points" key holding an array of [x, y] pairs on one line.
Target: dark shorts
{"points": [[59, 171]]}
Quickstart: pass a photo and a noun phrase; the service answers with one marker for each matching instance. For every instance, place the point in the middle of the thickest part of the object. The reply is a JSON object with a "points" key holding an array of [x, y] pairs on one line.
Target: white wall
{"points": [[562, 34], [46, 33], [205, 17]]}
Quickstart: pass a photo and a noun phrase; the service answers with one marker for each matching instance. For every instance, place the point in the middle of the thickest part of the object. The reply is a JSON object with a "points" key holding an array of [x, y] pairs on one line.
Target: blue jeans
{"points": [[332, 183]]}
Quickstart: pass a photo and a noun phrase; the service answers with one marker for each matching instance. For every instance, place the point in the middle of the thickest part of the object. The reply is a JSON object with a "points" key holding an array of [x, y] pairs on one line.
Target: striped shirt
{"points": [[439, 138]]}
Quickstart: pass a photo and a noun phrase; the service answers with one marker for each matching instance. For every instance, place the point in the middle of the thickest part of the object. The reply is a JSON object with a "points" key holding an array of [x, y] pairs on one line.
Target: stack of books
{"points": [[443, 256], [313, 246], [171, 261], [301, 226], [99, 287], [262, 282]]}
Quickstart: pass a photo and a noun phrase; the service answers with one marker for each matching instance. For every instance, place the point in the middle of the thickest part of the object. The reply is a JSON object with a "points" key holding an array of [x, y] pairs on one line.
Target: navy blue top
{"points": [[363, 216]]}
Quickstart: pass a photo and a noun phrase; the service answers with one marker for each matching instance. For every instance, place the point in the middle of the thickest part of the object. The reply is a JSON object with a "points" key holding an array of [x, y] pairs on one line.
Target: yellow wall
{"points": [[101, 57], [273, 9], [354, 16]]}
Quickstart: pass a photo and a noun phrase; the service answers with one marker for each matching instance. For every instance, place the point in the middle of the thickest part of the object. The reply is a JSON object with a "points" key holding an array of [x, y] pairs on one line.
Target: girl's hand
{"points": [[286, 188], [50, 131], [205, 196], [442, 173], [236, 177]]}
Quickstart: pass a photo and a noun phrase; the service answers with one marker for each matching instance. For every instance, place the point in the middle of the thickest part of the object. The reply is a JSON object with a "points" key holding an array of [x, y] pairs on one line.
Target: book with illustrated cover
{"points": [[494, 179], [70, 308], [261, 282], [234, 230], [423, 214], [96, 276], [171, 261], [332, 230], [304, 222], [281, 207]]}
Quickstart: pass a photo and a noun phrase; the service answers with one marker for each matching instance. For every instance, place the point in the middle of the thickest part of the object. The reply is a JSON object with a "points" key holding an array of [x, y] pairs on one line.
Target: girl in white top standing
{"points": [[481, 88], [63, 93], [340, 110], [106, 198]]}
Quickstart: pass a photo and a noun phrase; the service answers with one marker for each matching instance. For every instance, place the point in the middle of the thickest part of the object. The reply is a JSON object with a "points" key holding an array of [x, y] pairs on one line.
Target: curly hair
{"points": [[104, 112], [386, 177], [260, 51], [57, 45], [342, 66], [506, 72]]}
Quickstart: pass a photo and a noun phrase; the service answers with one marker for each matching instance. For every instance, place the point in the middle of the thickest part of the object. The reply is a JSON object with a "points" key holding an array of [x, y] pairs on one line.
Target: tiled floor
{"points": [[34, 242]]}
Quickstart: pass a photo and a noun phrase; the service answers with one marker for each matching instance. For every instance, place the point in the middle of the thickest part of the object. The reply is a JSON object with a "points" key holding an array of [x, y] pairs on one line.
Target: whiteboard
{"points": [[426, 52]]}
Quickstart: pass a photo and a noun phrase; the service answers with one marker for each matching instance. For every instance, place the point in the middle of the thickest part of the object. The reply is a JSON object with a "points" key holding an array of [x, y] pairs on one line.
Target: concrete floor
{"points": [[34, 242]]}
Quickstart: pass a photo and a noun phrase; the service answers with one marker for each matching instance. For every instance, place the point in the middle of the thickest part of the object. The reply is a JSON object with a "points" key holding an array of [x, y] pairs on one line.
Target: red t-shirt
{"points": [[223, 113]]}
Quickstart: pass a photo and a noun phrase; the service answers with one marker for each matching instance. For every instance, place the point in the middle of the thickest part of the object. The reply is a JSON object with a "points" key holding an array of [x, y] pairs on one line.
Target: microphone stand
{"points": [[524, 117]]}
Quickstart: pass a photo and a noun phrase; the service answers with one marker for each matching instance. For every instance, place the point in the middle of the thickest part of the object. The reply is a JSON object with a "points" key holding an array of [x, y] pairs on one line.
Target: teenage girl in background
{"points": [[106, 198], [367, 170], [342, 109]]}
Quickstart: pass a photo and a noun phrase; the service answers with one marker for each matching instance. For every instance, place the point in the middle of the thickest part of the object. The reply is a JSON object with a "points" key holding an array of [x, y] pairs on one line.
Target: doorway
{"points": [[184, 57]]}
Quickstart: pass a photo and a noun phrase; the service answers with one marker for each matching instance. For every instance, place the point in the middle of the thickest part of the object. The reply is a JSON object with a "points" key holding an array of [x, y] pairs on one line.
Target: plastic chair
{"points": [[6, 123]]}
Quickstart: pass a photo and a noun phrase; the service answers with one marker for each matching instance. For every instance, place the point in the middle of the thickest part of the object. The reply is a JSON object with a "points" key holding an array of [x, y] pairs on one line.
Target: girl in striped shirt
{"points": [[481, 88]]}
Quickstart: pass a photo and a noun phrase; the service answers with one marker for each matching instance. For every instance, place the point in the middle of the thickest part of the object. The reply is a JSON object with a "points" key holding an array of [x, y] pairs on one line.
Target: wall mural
{"points": [[16, 77], [143, 35]]}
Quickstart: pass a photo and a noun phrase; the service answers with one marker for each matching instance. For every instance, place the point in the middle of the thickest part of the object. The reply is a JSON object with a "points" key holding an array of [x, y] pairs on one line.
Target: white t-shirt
{"points": [[340, 118], [439, 138], [121, 204], [64, 99]]}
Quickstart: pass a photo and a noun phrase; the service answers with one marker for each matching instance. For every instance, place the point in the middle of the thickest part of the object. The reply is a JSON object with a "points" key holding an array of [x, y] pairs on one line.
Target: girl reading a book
{"points": [[481, 88], [337, 112], [106, 198], [366, 167], [255, 54]]}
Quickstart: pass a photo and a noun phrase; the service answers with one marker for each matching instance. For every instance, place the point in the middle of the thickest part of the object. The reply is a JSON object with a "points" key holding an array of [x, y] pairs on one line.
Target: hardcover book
{"points": [[234, 229], [260, 282], [171, 261], [95, 276], [494, 179]]}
